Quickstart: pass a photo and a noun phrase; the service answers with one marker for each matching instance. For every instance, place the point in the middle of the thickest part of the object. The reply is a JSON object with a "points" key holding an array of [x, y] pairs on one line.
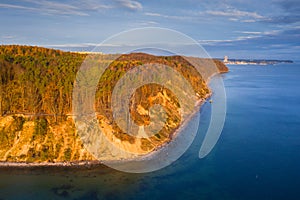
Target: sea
{"points": [[256, 157]]}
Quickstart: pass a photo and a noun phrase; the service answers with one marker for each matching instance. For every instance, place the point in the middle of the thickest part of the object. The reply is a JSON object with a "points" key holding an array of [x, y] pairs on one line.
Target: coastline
{"points": [[94, 163], [72, 164], [91, 163]]}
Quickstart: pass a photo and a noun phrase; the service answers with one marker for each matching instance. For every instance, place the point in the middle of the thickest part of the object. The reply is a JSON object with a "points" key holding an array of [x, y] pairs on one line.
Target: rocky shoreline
{"points": [[72, 164]]}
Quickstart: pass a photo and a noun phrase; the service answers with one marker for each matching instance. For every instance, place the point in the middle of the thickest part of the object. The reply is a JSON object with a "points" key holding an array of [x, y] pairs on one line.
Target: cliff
{"points": [[36, 102]]}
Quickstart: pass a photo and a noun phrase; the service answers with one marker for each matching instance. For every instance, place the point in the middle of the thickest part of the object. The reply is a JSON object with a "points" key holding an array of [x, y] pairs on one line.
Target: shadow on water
{"points": [[97, 182]]}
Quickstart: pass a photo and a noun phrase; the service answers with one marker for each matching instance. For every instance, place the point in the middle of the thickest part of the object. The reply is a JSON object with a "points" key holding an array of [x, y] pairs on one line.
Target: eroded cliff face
{"points": [[35, 140], [53, 137]]}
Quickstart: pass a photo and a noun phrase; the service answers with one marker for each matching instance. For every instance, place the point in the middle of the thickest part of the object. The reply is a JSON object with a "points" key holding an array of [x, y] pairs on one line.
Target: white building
{"points": [[225, 59]]}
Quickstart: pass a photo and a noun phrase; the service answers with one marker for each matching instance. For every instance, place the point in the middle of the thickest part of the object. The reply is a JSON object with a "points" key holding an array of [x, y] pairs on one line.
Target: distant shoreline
{"points": [[254, 62]]}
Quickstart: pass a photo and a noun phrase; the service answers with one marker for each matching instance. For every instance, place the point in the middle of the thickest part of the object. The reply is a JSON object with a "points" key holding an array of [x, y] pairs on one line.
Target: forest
{"points": [[35, 80], [36, 88]]}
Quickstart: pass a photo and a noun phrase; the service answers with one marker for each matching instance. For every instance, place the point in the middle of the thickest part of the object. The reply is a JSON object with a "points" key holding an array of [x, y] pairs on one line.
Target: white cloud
{"points": [[250, 32], [70, 45], [58, 8], [3, 5], [130, 4], [47, 7], [8, 37], [233, 19], [154, 14], [249, 35], [232, 14], [214, 42], [80, 45], [235, 13], [176, 17], [249, 20], [78, 7], [144, 23]]}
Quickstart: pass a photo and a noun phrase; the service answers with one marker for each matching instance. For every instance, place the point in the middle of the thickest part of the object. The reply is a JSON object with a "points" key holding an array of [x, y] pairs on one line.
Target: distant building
{"points": [[225, 59]]}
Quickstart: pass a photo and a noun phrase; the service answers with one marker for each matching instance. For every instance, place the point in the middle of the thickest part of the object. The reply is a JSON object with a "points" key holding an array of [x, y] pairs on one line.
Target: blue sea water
{"points": [[256, 157]]}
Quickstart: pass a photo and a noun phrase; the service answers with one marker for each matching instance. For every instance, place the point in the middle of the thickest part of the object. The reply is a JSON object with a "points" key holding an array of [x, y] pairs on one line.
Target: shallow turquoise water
{"points": [[257, 156]]}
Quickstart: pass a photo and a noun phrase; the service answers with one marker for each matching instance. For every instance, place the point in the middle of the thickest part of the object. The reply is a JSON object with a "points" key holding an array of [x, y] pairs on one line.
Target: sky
{"points": [[254, 29]]}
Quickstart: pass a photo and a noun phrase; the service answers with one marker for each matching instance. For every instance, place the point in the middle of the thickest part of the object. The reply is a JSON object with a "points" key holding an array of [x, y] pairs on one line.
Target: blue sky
{"points": [[237, 28]]}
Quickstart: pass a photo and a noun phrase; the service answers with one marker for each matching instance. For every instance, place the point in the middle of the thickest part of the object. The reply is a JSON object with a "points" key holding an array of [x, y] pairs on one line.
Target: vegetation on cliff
{"points": [[36, 100]]}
